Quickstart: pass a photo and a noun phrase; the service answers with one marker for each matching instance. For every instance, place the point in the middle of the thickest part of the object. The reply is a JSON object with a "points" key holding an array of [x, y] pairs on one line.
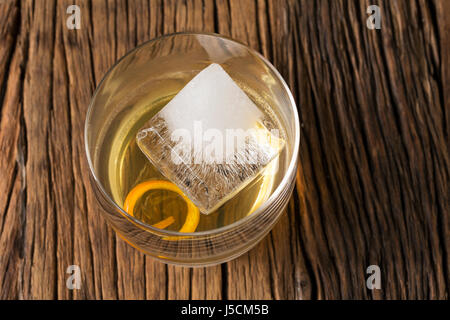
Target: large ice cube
{"points": [[210, 140]]}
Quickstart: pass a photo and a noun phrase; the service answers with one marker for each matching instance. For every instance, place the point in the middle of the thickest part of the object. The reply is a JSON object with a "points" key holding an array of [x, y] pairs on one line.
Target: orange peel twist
{"points": [[193, 214]]}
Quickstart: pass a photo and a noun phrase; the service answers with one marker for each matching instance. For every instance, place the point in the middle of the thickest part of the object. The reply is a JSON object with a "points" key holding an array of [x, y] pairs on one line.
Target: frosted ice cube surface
{"points": [[211, 140]]}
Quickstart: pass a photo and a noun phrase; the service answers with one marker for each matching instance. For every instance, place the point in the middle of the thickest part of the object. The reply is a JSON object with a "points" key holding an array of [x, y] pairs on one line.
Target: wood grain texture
{"points": [[372, 185]]}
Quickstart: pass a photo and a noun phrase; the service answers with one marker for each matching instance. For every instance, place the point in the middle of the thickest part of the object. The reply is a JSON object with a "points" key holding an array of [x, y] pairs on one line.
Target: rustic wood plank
{"points": [[95, 250], [39, 239], [61, 165], [372, 143], [10, 184], [372, 185]]}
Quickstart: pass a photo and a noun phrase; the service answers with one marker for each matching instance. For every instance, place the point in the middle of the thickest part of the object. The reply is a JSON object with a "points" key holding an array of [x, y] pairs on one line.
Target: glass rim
{"points": [[284, 181]]}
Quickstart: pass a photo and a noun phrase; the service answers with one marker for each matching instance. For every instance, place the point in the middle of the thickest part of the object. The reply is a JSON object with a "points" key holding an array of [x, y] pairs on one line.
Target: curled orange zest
{"points": [[193, 214]]}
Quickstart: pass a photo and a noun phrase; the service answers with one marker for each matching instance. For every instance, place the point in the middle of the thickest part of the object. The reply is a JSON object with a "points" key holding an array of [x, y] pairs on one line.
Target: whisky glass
{"points": [[158, 69]]}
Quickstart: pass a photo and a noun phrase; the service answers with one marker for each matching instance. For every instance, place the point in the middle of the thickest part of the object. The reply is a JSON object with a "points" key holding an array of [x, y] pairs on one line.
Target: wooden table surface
{"points": [[373, 179]]}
